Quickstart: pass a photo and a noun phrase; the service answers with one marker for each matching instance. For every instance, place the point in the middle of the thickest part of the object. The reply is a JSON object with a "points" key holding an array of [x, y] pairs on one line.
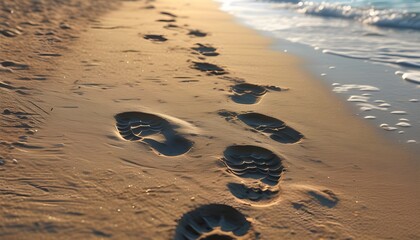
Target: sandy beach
{"points": [[170, 120]]}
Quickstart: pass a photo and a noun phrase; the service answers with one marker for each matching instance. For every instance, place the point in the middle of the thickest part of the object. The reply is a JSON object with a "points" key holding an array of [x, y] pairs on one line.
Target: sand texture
{"points": [[169, 120]]}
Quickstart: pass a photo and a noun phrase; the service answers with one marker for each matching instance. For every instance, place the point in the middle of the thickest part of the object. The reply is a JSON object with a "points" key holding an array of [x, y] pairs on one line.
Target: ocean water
{"points": [[367, 50]]}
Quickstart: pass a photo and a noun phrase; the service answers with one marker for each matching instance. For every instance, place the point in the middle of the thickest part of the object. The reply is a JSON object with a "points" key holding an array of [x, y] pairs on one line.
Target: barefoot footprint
{"points": [[196, 33], [261, 169], [214, 221], [150, 129], [247, 93], [172, 17], [155, 38], [210, 69], [206, 50], [273, 127], [254, 162]]}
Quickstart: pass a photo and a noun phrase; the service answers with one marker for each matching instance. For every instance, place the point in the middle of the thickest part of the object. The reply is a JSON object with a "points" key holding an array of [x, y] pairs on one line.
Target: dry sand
{"points": [[138, 125]]}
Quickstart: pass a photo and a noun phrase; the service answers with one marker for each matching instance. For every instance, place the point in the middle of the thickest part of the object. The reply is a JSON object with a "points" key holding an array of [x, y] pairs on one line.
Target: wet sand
{"points": [[168, 120]]}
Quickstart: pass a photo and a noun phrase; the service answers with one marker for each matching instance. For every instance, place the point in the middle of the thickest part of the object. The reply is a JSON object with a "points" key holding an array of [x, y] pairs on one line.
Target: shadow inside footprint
{"points": [[169, 14], [218, 237], [213, 221], [276, 128], [247, 93], [326, 197], [152, 130], [254, 194], [205, 50], [248, 161], [155, 38], [14, 65], [209, 68], [197, 33], [166, 20]]}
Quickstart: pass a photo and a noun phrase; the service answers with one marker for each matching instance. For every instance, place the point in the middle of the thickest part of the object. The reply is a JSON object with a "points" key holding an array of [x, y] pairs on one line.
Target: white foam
{"points": [[370, 117], [403, 124], [401, 132], [384, 105], [379, 101], [399, 112], [365, 109], [347, 87], [414, 100], [357, 98], [377, 17], [399, 73], [371, 106], [387, 127], [411, 141], [403, 120], [413, 77]]}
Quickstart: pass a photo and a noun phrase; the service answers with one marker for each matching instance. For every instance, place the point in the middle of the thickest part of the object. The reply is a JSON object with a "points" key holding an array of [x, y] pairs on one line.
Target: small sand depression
{"points": [[209, 68], [154, 131], [312, 196], [155, 38], [214, 221], [206, 50], [197, 33], [168, 14], [14, 65], [10, 32]]}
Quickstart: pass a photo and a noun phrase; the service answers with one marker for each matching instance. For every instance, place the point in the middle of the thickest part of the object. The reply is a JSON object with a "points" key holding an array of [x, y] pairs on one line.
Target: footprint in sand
{"points": [[196, 33], [152, 130], [210, 69], [214, 221], [254, 162], [155, 38], [171, 26], [169, 14], [206, 50], [259, 166], [273, 127], [247, 93], [166, 20]]}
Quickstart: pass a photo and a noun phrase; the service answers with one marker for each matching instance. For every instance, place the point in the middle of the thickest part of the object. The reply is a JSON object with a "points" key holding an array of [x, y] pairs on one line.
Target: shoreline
{"points": [[336, 71], [88, 181], [328, 69], [348, 72]]}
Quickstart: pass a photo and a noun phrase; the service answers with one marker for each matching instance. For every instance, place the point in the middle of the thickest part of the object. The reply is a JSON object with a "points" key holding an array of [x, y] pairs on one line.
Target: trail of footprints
{"points": [[258, 170]]}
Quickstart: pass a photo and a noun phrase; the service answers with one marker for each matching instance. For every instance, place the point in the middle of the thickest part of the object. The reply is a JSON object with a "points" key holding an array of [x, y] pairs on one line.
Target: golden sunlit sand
{"points": [[168, 120]]}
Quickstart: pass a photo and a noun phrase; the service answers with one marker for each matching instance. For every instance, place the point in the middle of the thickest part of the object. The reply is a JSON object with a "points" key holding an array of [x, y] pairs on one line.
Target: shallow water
{"points": [[367, 51]]}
